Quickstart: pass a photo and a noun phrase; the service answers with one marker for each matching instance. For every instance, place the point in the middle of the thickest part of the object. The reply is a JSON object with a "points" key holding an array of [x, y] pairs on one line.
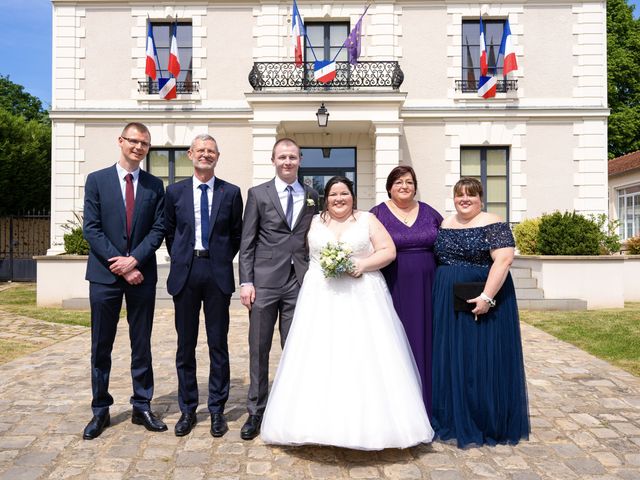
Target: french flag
{"points": [[167, 88], [484, 67], [487, 86], [508, 51], [297, 33], [152, 58], [174, 58], [324, 71]]}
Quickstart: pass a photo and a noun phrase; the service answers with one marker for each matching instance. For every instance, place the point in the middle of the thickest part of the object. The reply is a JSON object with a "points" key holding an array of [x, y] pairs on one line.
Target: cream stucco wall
{"points": [[549, 168], [617, 182]]}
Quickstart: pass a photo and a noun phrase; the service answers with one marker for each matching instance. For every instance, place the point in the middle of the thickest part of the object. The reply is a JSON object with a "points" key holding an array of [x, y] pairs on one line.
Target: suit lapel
{"points": [[272, 193], [304, 206], [114, 183], [218, 192]]}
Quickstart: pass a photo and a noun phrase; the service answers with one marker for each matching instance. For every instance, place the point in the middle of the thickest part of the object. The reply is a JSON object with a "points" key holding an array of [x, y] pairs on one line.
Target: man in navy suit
{"points": [[124, 225], [204, 224]]}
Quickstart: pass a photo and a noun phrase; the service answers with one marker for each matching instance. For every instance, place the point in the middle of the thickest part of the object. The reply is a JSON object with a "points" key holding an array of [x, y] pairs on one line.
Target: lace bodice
{"points": [[356, 236], [471, 246]]}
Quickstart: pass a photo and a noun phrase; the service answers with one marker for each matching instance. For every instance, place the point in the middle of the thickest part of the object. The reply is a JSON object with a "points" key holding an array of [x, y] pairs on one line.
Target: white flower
{"points": [[311, 202]]}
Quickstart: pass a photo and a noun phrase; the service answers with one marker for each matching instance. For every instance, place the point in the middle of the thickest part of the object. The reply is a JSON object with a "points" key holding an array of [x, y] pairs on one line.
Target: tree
{"points": [[25, 151], [623, 65]]}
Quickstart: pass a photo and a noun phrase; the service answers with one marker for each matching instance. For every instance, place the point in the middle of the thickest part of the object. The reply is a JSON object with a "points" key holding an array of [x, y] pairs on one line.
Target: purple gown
{"points": [[410, 279]]}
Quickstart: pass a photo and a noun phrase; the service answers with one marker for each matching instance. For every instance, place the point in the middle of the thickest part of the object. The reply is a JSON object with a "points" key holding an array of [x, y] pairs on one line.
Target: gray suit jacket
{"points": [[268, 245]]}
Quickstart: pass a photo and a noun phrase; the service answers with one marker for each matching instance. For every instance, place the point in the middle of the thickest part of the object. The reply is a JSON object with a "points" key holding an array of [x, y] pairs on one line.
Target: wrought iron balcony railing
{"points": [[363, 75], [151, 87], [503, 86]]}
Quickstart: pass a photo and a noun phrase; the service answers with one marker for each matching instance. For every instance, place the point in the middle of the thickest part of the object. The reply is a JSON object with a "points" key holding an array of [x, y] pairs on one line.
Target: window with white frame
{"points": [[490, 165], [629, 211]]}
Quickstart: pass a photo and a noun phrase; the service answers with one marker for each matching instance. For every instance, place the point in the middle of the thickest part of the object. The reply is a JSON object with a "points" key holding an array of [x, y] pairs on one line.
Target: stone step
{"points": [[520, 272], [524, 282], [552, 304], [529, 294]]}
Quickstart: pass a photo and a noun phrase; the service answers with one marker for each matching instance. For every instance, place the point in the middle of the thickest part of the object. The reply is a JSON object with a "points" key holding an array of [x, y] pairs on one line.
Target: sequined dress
{"points": [[346, 376], [479, 387]]}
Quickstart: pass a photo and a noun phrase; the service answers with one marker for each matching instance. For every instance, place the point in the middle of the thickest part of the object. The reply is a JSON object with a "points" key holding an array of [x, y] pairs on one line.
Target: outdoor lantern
{"points": [[323, 116]]}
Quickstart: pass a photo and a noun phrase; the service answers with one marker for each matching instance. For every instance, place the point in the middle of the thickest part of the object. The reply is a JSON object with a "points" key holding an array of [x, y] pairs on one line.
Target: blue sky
{"points": [[25, 44]]}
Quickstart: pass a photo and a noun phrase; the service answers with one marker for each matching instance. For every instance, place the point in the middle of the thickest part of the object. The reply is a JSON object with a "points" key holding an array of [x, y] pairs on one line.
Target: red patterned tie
{"points": [[129, 202]]}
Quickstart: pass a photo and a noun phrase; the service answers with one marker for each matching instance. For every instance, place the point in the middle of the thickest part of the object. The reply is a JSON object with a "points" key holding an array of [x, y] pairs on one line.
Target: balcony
{"points": [[364, 75], [151, 87], [503, 86]]}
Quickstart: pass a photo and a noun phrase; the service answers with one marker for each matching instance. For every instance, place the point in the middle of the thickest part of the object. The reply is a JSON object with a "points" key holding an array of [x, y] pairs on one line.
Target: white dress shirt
{"points": [[197, 193], [298, 196], [122, 173]]}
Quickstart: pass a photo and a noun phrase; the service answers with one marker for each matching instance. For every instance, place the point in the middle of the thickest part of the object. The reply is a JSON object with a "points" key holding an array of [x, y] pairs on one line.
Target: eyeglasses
{"points": [[401, 183], [133, 142]]}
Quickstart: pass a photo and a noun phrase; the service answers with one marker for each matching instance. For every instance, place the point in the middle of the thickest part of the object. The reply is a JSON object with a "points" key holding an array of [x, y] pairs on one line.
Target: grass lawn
{"points": [[20, 299], [10, 350], [612, 335]]}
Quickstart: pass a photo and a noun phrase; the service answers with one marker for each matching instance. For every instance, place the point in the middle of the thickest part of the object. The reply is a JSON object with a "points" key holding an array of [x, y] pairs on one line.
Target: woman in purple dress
{"points": [[413, 226]]}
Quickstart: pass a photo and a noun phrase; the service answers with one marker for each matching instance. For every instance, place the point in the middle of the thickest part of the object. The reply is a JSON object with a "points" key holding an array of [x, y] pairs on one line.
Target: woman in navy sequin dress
{"points": [[413, 226], [479, 387]]}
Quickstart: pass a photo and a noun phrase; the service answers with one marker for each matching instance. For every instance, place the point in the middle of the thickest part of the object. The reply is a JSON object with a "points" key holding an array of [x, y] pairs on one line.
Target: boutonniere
{"points": [[311, 202]]}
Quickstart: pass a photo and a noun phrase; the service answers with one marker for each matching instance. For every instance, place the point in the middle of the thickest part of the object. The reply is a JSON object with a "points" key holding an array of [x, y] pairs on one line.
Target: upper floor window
{"points": [[490, 165], [162, 31], [493, 30], [162, 38], [629, 211], [325, 40]]}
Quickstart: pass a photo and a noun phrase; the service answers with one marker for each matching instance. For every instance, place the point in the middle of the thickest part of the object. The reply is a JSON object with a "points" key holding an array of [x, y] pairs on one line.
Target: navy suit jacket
{"points": [[225, 230], [105, 224]]}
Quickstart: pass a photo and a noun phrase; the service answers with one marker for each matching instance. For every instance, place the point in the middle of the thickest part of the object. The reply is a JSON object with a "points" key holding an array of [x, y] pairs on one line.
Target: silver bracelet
{"points": [[488, 299]]}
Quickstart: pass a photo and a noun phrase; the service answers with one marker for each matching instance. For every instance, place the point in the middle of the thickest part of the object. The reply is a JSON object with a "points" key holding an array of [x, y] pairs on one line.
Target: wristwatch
{"points": [[488, 299]]}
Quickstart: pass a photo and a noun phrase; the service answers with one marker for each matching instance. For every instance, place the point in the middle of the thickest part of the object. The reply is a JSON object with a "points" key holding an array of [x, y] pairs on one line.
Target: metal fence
{"points": [[21, 238]]}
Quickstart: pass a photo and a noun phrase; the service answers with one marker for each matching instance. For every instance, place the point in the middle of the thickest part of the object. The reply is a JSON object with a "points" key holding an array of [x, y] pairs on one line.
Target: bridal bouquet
{"points": [[335, 259]]}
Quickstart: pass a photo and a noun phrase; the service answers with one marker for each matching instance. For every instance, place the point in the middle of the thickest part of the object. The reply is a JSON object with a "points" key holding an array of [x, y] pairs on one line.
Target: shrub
{"points": [[633, 245], [74, 242], [568, 234], [609, 238], [526, 235]]}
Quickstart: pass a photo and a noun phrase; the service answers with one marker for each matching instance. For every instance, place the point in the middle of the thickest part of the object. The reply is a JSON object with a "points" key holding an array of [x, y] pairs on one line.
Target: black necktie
{"points": [[204, 216], [289, 213]]}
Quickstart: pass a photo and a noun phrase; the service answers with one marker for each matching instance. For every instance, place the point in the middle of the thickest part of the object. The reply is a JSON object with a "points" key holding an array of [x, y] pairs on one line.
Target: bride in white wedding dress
{"points": [[347, 376]]}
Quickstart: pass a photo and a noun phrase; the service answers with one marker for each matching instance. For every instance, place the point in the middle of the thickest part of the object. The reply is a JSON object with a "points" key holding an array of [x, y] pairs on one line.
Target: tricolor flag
{"points": [[174, 58], [152, 57], [484, 67], [487, 86], [167, 88], [508, 51], [297, 33], [324, 71]]}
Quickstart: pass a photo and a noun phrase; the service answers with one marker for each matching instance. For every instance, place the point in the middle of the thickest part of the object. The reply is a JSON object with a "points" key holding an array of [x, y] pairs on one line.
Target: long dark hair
{"points": [[327, 188]]}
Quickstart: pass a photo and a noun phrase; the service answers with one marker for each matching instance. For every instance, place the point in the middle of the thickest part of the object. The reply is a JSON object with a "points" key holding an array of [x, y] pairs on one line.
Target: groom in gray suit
{"points": [[273, 262]]}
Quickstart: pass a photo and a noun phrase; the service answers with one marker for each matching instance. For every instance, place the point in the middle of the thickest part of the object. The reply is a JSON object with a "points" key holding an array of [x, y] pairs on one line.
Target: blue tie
{"points": [[289, 212], [204, 216]]}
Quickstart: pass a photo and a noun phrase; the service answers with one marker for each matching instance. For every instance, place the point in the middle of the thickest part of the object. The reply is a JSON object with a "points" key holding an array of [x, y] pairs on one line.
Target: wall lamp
{"points": [[323, 116]]}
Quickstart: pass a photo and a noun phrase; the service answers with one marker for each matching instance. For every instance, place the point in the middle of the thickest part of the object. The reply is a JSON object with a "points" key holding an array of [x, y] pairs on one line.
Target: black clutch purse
{"points": [[464, 291]]}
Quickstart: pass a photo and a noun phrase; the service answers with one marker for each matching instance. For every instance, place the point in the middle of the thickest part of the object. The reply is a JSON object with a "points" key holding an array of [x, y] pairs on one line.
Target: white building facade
{"points": [[539, 145]]}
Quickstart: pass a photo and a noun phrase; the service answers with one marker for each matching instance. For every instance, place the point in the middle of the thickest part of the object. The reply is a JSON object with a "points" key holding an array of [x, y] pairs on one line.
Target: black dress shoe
{"points": [[95, 427], [218, 425], [251, 428], [185, 424], [148, 419]]}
